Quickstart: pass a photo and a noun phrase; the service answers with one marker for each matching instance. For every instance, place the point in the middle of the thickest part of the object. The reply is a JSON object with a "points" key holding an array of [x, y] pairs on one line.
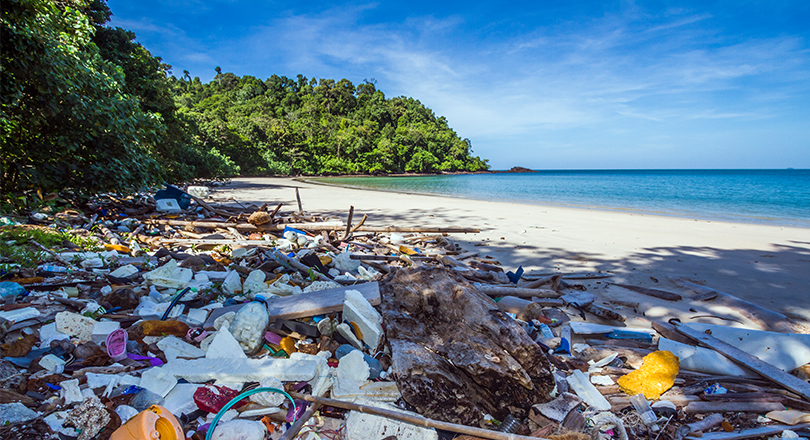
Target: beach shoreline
{"points": [[767, 265]]}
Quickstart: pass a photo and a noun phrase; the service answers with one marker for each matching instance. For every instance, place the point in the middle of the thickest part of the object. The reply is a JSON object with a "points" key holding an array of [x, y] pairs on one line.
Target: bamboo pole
{"points": [[413, 419], [298, 198]]}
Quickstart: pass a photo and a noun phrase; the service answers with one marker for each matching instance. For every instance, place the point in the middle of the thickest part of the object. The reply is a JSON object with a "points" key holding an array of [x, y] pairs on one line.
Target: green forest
{"points": [[85, 107]]}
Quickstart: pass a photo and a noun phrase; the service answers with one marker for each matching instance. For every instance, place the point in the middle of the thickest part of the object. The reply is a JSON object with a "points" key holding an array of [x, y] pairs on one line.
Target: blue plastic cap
{"points": [[258, 298]]}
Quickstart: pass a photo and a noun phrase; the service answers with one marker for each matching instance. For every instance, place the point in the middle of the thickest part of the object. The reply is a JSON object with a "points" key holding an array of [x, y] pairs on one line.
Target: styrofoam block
{"points": [[158, 381], [19, 315], [102, 380], [232, 284], [199, 191], [197, 315], [48, 333], [346, 331], [70, 391], [102, 329], [323, 379], [358, 310], [180, 399], [224, 345], [170, 276], [167, 205], [360, 426], [241, 370], [74, 324], [173, 347]]}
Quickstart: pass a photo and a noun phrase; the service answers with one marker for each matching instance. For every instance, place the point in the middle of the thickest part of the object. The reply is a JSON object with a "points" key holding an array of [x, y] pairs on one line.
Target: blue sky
{"points": [[546, 85]]}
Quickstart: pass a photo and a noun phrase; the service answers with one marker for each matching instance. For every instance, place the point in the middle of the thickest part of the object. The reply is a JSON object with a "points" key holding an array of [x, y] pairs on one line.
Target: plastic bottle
{"points": [[642, 406], [248, 326], [375, 369]]}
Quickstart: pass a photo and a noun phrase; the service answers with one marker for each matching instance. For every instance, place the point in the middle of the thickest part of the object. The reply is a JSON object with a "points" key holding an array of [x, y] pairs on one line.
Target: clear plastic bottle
{"points": [[248, 326]]}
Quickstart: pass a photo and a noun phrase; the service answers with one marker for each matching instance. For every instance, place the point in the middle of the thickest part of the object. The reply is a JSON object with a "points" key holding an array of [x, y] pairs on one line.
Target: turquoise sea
{"points": [[777, 197]]}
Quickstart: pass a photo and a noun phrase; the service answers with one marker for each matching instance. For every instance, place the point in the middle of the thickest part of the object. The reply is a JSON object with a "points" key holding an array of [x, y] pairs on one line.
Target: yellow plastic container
{"points": [[151, 424]]}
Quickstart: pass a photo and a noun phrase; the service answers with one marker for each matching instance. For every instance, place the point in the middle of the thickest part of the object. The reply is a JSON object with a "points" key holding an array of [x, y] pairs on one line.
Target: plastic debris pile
{"points": [[169, 316]]}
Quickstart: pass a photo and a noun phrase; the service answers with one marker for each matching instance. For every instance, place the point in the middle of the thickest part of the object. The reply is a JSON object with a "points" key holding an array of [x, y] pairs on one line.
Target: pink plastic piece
{"points": [[117, 345]]}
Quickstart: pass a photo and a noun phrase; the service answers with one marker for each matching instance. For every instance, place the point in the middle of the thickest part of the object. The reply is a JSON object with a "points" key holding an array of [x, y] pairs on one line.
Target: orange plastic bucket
{"points": [[151, 424]]}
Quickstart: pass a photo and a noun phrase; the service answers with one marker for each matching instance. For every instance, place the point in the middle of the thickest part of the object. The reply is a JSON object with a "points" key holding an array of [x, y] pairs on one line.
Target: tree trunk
{"points": [[456, 356]]}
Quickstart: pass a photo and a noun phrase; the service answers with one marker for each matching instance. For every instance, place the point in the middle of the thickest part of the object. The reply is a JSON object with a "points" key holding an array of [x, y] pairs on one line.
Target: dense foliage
{"points": [[301, 126], [85, 107]]}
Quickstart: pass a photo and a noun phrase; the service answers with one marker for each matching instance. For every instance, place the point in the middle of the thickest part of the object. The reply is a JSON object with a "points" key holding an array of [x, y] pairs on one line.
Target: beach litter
{"points": [[173, 316]]}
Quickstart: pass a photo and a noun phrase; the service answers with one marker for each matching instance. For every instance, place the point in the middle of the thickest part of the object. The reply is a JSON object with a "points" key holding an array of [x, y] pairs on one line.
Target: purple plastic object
{"points": [[300, 407], [154, 361], [272, 338], [117, 345]]}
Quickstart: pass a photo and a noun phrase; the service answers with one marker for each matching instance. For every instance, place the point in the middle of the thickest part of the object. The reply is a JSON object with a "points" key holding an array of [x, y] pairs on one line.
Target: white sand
{"points": [[767, 265]]}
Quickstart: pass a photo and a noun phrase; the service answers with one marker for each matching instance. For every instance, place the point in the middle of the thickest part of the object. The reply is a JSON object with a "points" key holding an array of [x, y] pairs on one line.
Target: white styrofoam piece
{"points": [[173, 347], [224, 345], [254, 284], [20, 315], [102, 380], [239, 430], [48, 333], [787, 351], [197, 315], [199, 191], [361, 426], [346, 331], [241, 370], [358, 310], [180, 399], [323, 375], [70, 391], [102, 329], [579, 383], [124, 271], [170, 276], [701, 359], [51, 362], [74, 324], [167, 205], [158, 381], [125, 412], [232, 284]]}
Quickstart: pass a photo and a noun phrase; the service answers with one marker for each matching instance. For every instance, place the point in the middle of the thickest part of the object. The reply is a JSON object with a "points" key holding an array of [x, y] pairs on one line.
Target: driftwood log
{"points": [[456, 356]]}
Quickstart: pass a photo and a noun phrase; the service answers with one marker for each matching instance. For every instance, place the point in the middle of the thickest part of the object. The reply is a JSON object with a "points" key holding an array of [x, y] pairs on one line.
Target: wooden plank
{"points": [[762, 431], [721, 407], [518, 292], [740, 357], [315, 226], [657, 293], [307, 304]]}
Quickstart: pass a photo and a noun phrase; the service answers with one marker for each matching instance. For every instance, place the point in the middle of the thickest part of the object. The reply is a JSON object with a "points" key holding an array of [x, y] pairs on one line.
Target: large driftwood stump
{"points": [[456, 356]]}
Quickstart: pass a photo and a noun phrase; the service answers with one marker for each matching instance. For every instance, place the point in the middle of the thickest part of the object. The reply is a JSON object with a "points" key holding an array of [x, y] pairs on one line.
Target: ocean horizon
{"points": [[779, 197]]}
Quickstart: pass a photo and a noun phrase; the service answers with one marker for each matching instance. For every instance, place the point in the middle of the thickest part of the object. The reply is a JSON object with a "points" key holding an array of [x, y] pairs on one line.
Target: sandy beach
{"points": [[766, 265]]}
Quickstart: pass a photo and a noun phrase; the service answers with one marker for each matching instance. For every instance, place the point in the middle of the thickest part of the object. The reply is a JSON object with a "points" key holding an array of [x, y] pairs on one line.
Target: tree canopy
{"points": [[84, 106]]}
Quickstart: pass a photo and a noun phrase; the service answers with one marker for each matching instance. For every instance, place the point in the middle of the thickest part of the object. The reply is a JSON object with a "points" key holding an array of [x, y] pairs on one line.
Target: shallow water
{"points": [[776, 197]]}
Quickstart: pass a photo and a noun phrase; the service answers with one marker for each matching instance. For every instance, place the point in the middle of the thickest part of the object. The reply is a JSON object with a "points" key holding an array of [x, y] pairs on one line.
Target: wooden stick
{"points": [[295, 264], [109, 235], [762, 431], [298, 198], [299, 424], [52, 253], [213, 242], [364, 257], [348, 225], [90, 223], [744, 359], [275, 211], [325, 226], [359, 224], [413, 419], [519, 292], [663, 294]]}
